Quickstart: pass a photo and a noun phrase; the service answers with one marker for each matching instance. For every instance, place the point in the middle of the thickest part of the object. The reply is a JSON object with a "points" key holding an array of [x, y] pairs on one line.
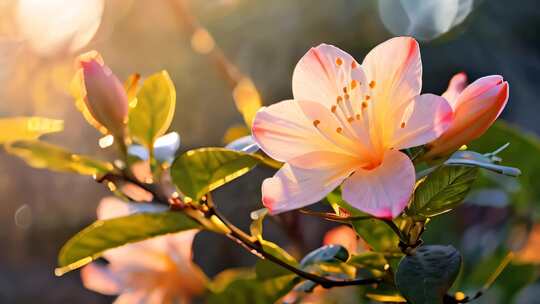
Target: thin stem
{"points": [[256, 247], [396, 230], [240, 237]]}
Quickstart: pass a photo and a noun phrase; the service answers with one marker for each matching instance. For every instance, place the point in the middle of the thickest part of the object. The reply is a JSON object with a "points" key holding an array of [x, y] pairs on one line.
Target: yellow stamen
{"points": [[354, 65], [316, 122], [339, 61], [372, 84], [368, 97], [339, 130], [333, 109], [354, 84], [402, 125]]}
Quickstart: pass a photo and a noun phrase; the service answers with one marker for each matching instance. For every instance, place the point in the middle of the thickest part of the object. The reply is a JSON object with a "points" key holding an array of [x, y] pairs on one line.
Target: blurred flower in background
{"points": [[157, 270], [58, 26], [423, 19]]}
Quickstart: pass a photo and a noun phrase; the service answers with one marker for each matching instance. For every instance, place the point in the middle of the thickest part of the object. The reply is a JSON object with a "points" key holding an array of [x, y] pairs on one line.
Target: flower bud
{"points": [[104, 97], [475, 107]]}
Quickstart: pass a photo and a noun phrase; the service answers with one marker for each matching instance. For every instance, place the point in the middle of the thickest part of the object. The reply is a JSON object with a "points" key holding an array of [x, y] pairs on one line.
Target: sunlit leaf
{"points": [[90, 243], [247, 99], [27, 128], [246, 288], [442, 190], [152, 113], [47, 156], [200, 171], [426, 276]]}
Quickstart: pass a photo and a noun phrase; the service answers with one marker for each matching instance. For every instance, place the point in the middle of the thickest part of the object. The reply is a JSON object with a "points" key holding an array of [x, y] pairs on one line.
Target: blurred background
{"points": [[206, 46]]}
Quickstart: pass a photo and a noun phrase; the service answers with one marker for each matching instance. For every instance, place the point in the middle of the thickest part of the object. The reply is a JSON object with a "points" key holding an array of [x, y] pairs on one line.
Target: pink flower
{"points": [[157, 270], [104, 96], [475, 107], [346, 124]]}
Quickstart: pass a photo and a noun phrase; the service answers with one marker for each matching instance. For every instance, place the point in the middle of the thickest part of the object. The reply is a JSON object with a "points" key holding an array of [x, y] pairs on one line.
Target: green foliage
{"points": [[200, 171], [369, 260], [245, 287], [442, 190], [426, 276], [90, 243], [39, 154], [27, 128], [152, 111], [523, 153]]}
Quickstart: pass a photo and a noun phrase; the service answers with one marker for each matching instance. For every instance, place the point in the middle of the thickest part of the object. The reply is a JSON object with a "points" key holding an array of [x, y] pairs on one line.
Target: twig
{"points": [[240, 237], [256, 248]]}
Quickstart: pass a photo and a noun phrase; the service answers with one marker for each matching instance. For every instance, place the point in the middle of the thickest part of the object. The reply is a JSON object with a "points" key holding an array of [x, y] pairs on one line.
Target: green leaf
{"points": [[426, 276], [151, 113], [523, 153], [27, 128], [245, 288], [442, 190], [90, 243], [200, 171], [370, 260], [39, 154]]}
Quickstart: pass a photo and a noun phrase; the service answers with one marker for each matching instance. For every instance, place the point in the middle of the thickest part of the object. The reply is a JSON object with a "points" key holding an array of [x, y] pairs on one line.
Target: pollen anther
{"points": [[372, 84], [354, 84], [339, 61], [364, 105], [402, 125], [339, 99], [339, 129], [316, 122], [333, 109], [354, 65]]}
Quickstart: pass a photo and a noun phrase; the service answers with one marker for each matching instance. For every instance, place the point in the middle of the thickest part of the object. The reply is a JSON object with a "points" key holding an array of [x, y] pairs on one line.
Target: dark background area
{"points": [[40, 210]]}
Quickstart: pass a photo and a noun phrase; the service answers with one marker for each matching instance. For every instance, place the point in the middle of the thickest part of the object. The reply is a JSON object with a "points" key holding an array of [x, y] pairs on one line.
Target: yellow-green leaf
{"points": [[151, 113], [90, 243], [27, 128], [200, 171], [39, 154]]}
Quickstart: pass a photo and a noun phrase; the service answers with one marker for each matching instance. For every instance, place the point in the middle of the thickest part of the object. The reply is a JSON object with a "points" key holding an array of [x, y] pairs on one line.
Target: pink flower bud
{"points": [[103, 94], [475, 106]]}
